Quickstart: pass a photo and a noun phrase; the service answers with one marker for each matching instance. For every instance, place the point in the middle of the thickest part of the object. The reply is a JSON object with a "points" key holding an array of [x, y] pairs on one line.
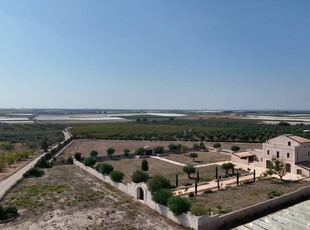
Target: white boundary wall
{"points": [[189, 220], [132, 189]]}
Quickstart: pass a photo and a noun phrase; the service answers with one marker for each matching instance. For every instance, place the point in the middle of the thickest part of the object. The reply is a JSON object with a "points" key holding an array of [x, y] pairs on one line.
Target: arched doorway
{"points": [[268, 164], [140, 193], [288, 167]]}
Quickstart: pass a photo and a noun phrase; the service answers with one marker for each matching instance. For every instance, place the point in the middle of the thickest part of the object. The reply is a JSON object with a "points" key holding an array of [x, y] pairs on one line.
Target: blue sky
{"points": [[155, 54]]}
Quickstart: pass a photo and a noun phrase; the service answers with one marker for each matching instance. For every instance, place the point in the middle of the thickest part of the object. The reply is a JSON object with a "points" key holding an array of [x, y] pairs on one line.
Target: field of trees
{"points": [[31, 134], [225, 130]]}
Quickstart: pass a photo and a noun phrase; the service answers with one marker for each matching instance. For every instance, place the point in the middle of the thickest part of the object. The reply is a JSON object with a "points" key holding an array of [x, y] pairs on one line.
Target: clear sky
{"points": [[155, 54]]}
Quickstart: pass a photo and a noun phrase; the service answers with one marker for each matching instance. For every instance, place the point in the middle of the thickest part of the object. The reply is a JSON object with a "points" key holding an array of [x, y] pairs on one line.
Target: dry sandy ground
{"points": [[69, 198], [85, 146]]}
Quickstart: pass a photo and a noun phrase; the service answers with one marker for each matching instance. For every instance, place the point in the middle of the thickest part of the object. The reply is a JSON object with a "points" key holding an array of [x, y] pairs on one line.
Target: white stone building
{"points": [[292, 150]]}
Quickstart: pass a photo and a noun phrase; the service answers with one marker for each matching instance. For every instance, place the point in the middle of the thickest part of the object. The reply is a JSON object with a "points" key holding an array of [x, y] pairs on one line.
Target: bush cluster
{"points": [[34, 172], [117, 176], [139, 176], [105, 169], [8, 212]]}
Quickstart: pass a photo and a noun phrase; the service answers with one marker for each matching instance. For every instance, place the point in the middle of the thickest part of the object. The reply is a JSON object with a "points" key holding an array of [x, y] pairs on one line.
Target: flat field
{"points": [[85, 146], [168, 170], [104, 130], [235, 198], [69, 198], [203, 158], [31, 134]]}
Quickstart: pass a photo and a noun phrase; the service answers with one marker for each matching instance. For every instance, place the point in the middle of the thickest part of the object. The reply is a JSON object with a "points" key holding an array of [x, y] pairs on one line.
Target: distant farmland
{"points": [[223, 130]]}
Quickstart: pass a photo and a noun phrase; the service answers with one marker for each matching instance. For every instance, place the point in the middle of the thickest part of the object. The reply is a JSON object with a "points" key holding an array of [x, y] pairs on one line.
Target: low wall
{"points": [[220, 222], [186, 220], [195, 222]]}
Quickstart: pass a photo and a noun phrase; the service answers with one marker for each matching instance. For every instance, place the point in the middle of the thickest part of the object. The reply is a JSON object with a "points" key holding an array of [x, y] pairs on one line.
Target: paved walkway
{"points": [[169, 161], [212, 185], [6, 184], [259, 171], [181, 164]]}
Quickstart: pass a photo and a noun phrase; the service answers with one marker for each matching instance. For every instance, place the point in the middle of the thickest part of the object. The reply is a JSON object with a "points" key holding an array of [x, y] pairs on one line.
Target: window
{"points": [[261, 160], [289, 143], [288, 155], [278, 154], [308, 153], [267, 152], [299, 171]]}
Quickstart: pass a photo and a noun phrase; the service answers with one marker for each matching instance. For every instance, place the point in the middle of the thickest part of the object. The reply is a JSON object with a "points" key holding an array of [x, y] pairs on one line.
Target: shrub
{"points": [[69, 160], [207, 191], [274, 194], [158, 182], [43, 163], [126, 152], [145, 165], [93, 153], [139, 176], [34, 172], [77, 156], [8, 212], [178, 205], [226, 210], [200, 211], [48, 156], [191, 194], [90, 161], [117, 176], [162, 196], [110, 151], [140, 151], [216, 145], [235, 148], [104, 168], [159, 149]]}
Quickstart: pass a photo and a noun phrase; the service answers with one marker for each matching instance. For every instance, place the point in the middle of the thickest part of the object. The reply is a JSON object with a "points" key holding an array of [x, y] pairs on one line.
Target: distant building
{"points": [[292, 150]]}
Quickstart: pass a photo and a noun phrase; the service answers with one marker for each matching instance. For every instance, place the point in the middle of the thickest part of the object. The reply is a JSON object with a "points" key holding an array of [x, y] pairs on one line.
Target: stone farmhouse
{"points": [[292, 150]]}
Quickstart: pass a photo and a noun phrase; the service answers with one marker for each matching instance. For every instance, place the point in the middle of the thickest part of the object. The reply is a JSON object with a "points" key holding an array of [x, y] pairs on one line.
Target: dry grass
{"points": [[168, 170], [85, 146], [203, 158], [243, 146], [69, 198], [246, 195]]}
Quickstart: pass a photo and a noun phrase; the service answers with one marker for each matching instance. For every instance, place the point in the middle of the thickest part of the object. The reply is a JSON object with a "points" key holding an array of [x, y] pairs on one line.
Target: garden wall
{"points": [[219, 222], [133, 190], [191, 221]]}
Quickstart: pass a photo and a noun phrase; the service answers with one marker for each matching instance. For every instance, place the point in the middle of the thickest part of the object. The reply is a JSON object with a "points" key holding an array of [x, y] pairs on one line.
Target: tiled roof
{"points": [[244, 154], [299, 139]]}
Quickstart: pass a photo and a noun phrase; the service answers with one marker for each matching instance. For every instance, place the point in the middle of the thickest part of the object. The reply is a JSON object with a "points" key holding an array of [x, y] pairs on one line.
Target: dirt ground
{"points": [[245, 195], [168, 170], [203, 158], [69, 198], [243, 146], [85, 146]]}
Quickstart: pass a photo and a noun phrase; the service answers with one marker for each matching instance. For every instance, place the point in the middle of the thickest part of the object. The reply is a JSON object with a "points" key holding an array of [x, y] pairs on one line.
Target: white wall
{"points": [[186, 220]]}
